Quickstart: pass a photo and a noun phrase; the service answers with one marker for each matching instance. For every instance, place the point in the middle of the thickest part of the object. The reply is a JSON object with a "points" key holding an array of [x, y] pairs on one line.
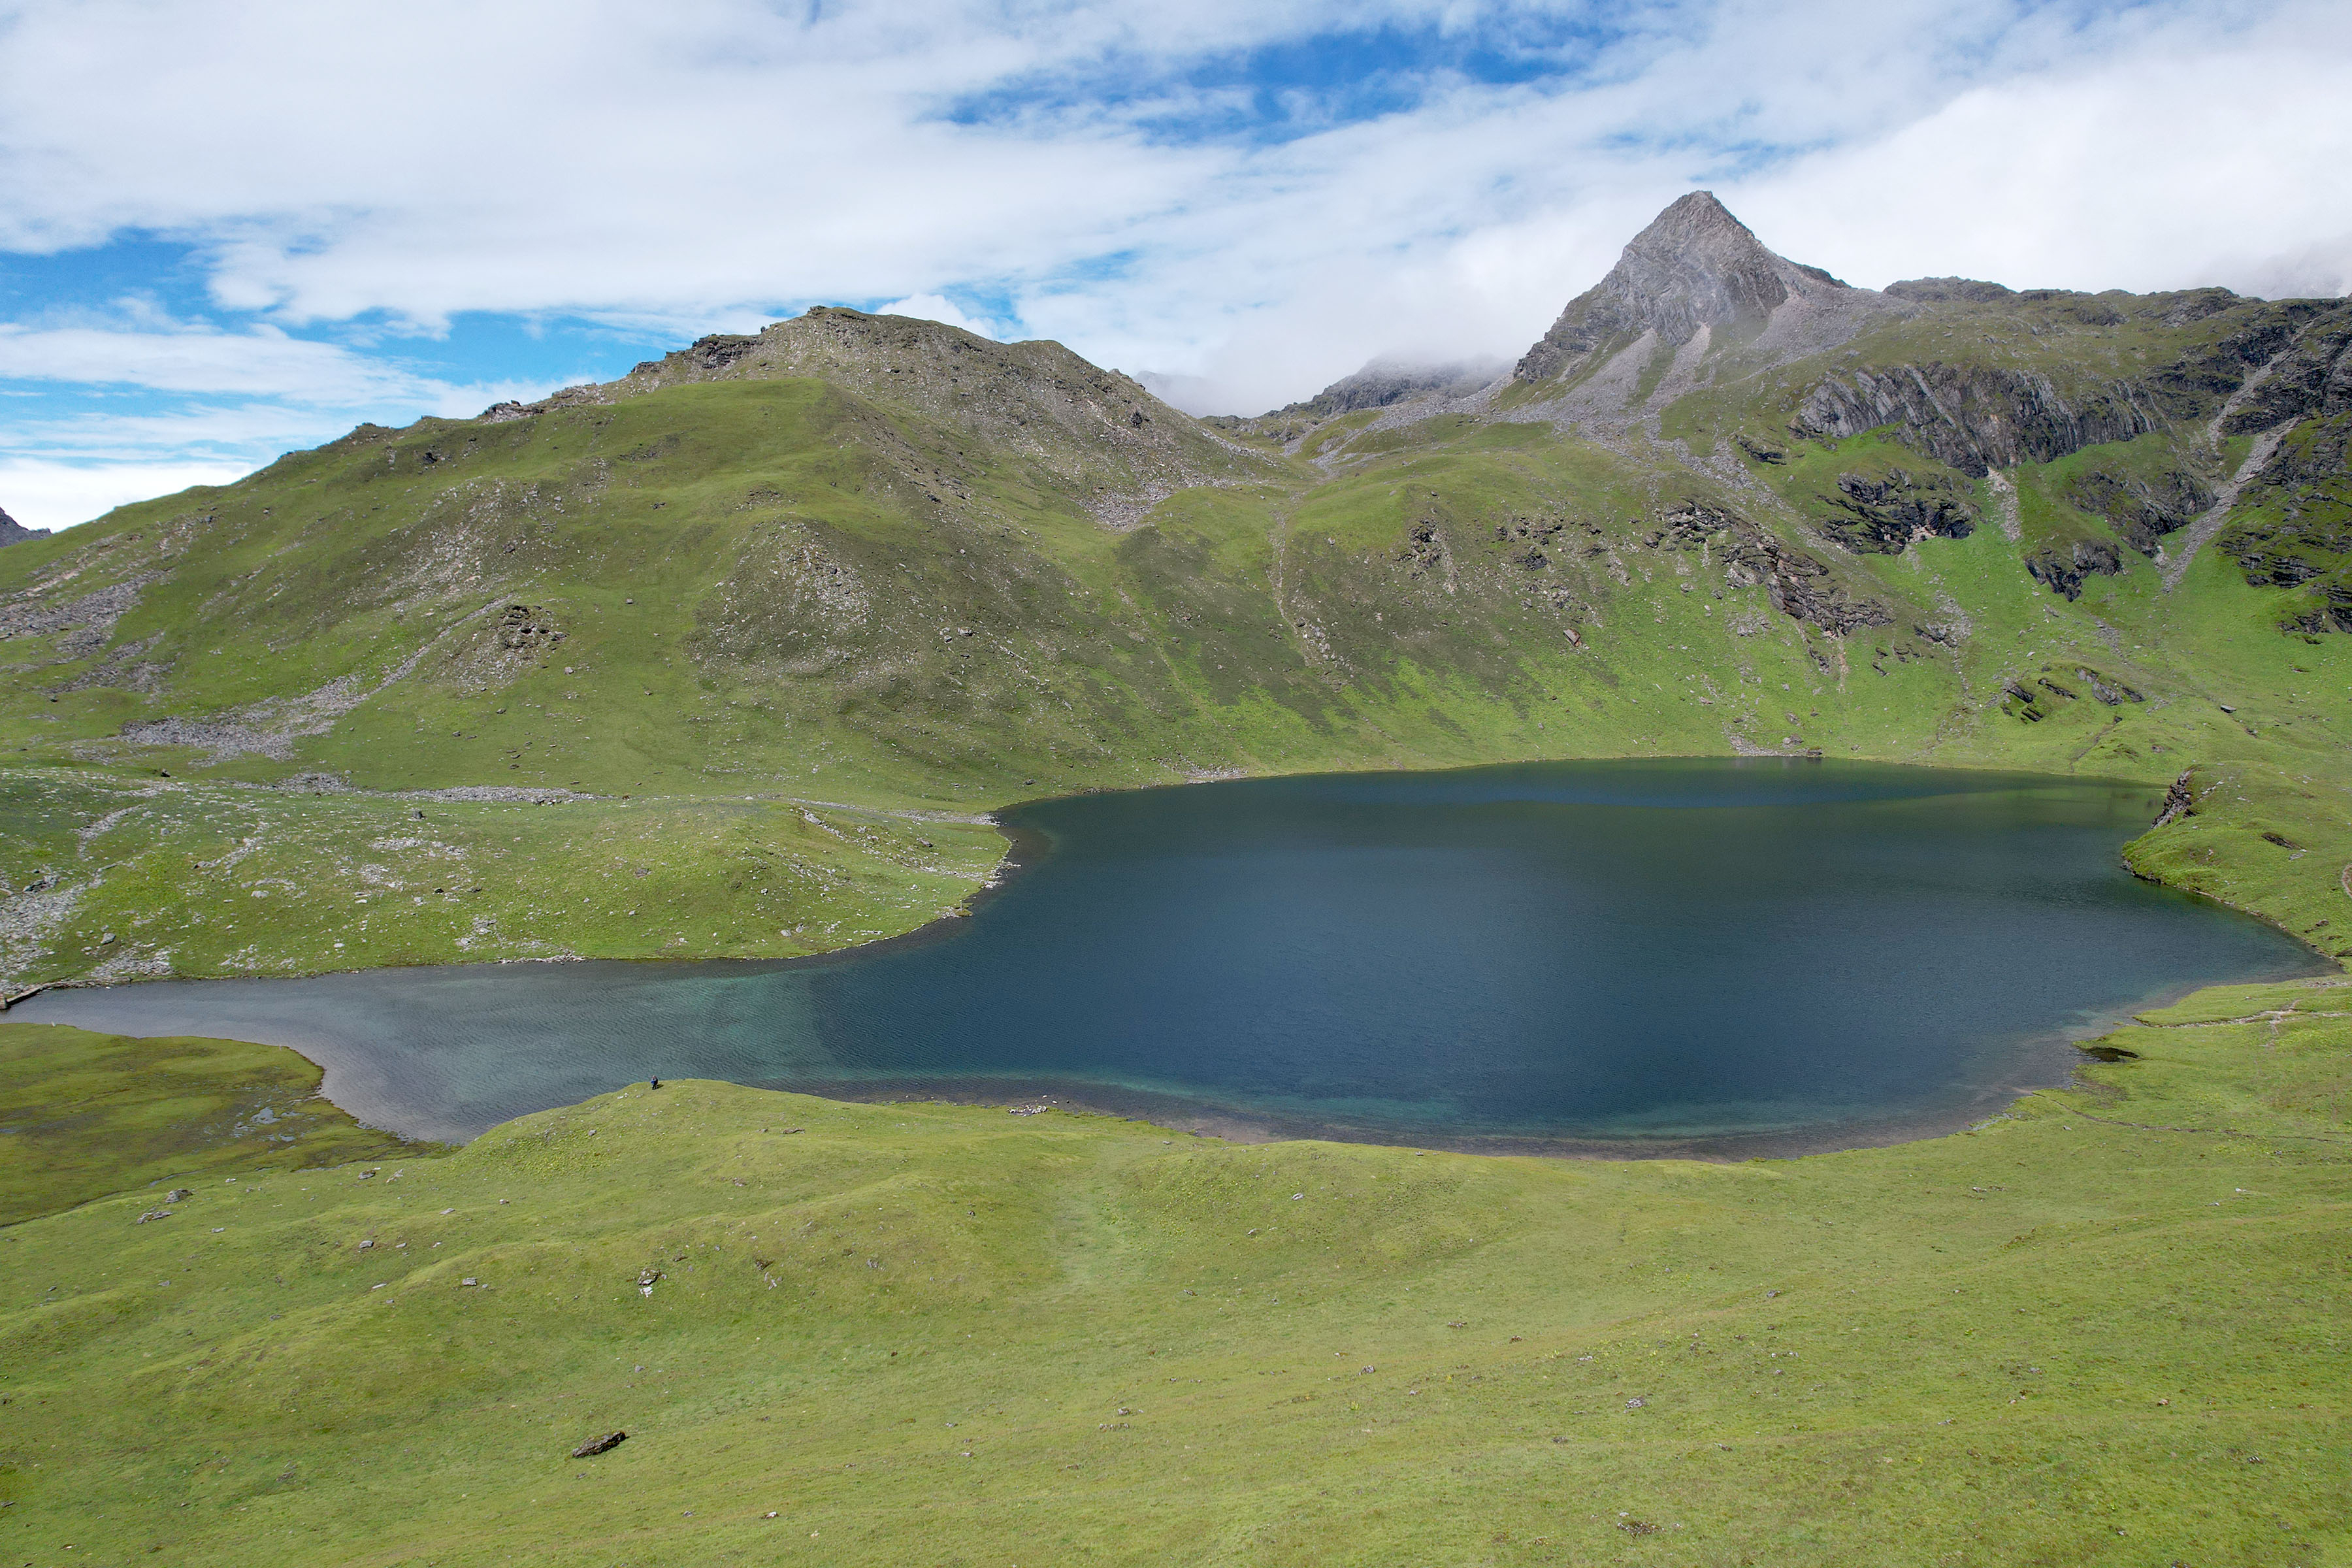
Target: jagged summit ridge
{"points": [[1694, 268], [942, 370]]}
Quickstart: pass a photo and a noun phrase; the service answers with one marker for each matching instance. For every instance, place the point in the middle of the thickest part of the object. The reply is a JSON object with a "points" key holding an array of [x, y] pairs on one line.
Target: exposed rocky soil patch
{"points": [[81, 625], [1799, 585]]}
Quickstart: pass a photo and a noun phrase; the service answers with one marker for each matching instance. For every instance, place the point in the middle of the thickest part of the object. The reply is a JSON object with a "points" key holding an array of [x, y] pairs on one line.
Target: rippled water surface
{"points": [[1712, 955]]}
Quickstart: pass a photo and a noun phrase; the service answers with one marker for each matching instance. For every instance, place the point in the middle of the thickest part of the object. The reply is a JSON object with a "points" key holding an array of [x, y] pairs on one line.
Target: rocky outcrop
{"points": [[1948, 290], [1798, 586], [1425, 551], [2219, 375], [2311, 377], [2143, 509], [1886, 514], [14, 533], [2060, 568], [2106, 691], [1009, 390], [1695, 267], [526, 626], [1973, 417], [716, 352], [2179, 801], [2036, 419]]}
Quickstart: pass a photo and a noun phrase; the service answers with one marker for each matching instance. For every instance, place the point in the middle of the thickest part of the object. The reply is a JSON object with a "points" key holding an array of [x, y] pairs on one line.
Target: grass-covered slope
{"points": [[2104, 1327], [129, 878]]}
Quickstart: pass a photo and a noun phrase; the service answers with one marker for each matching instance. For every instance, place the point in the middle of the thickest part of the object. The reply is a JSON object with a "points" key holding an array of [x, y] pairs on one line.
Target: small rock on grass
{"points": [[595, 1446]]}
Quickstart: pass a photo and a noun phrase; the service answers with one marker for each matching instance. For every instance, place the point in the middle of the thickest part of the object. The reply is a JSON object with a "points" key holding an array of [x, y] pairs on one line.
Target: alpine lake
{"points": [[1720, 958]]}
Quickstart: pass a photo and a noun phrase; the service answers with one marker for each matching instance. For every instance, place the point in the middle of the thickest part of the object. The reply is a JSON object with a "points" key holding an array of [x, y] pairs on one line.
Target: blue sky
{"points": [[227, 230]]}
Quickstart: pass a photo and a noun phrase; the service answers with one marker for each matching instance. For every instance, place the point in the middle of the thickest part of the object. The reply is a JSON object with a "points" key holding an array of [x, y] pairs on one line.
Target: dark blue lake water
{"points": [[1671, 956]]}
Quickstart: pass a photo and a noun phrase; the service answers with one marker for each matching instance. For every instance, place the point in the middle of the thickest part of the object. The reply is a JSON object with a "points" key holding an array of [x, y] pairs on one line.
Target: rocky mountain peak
{"points": [[1695, 267], [14, 533]]}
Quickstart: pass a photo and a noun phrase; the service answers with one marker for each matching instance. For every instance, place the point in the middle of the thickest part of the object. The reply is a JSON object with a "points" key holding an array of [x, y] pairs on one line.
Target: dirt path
{"points": [[2193, 537], [2005, 492]]}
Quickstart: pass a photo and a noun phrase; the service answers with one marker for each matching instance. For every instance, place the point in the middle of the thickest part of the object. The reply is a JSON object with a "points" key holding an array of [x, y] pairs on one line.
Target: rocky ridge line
{"points": [[1095, 430]]}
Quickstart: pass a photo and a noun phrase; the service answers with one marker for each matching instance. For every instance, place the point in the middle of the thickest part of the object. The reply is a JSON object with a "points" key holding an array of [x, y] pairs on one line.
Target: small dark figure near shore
{"points": [[657, 1083]]}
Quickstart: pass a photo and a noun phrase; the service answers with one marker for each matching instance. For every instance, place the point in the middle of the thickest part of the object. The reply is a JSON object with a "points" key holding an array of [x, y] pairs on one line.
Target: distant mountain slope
{"points": [[1099, 433], [1384, 382], [875, 565]]}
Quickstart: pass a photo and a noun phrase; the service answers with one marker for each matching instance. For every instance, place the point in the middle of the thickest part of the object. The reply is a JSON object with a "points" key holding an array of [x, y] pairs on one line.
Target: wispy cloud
{"points": [[169, 403], [186, 358]]}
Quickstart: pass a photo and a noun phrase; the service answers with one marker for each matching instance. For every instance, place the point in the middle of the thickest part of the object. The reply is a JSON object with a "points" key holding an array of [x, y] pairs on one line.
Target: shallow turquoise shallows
{"points": [[1677, 956]]}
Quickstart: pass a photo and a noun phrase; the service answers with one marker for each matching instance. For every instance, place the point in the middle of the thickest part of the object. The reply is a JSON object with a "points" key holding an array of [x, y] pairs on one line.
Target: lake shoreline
{"points": [[1206, 1117], [1372, 958]]}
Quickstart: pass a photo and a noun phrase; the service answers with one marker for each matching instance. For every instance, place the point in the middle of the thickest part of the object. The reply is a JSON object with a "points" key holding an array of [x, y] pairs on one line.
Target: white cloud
{"points": [[938, 308], [53, 495], [2171, 167], [706, 161], [262, 361]]}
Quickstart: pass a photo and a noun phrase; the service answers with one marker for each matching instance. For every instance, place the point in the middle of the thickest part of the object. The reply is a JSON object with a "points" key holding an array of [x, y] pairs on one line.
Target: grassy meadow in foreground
{"points": [[82, 1115], [2107, 1327]]}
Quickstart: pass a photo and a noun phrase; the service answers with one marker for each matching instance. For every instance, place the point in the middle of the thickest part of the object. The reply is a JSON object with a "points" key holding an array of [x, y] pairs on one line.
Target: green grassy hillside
{"points": [[84, 1115], [2104, 1327], [765, 623]]}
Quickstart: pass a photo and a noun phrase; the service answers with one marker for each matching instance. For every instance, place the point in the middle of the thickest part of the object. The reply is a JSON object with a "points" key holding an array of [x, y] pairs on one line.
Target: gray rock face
{"points": [[2062, 568], [1883, 515], [2143, 510], [2179, 801], [2205, 379], [1694, 267], [1017, 393], [14, 533], [2313, 376], [1971, 416], [2294, 529]]}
